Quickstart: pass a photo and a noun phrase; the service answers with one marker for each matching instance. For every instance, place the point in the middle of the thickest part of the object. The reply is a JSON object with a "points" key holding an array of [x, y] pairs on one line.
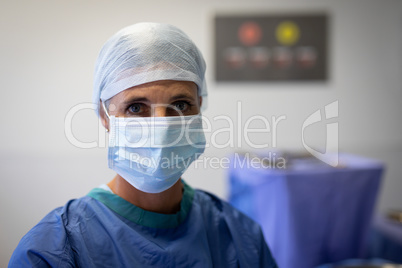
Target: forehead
{"points": [[159, 91]]}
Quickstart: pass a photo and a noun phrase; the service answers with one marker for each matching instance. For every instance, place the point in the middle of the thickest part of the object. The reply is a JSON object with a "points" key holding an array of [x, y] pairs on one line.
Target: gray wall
{"points": [[48, 50]]}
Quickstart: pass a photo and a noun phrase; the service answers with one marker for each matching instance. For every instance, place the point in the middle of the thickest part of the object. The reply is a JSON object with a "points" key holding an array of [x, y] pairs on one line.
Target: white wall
{"points": [[48, 49]]}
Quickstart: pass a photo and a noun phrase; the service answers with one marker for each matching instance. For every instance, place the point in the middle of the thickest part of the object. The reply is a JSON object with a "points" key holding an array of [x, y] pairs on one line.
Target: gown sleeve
{"points": [[45, 245], [247, 236]]}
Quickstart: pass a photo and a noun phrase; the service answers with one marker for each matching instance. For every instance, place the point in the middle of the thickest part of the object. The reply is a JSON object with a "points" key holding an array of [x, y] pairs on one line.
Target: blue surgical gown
{"points": [[104, 230]]}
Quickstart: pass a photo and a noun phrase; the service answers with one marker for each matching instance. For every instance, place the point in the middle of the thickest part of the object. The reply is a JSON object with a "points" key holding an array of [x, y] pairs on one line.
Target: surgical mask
{"points": [[151, 153]]}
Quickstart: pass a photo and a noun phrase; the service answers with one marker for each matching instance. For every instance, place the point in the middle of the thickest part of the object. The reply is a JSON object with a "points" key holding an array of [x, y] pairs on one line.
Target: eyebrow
{"points": [[144, 99], [182, 96], [134, 99]]}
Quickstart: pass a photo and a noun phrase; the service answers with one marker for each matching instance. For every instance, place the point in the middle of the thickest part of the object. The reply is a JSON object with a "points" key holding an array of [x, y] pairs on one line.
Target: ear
{"points": [[104, 119], [200, 101]]}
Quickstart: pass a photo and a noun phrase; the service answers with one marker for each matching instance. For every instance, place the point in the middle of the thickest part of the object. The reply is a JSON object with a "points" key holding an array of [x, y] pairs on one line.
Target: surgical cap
{"points": [[147, 52]]}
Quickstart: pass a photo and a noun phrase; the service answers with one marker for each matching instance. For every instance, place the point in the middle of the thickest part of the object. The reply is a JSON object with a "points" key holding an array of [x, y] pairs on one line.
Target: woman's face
{"points": [[160, 98]]}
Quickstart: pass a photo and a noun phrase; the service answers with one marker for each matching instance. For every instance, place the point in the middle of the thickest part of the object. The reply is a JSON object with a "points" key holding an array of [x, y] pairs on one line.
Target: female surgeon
{"points": [[149, 88]]}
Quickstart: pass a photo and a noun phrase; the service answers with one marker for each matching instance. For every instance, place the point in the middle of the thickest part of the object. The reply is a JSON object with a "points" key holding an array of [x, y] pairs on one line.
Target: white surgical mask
{"points": [[151, 153]]}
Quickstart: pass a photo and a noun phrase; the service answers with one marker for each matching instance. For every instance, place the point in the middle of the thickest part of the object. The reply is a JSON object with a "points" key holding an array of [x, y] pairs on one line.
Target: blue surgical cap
{"points": [[147, 52]]}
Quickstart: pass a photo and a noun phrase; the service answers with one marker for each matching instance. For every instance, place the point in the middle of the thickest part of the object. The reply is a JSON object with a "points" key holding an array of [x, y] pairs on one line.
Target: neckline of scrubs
{"points": [[141, 216]]}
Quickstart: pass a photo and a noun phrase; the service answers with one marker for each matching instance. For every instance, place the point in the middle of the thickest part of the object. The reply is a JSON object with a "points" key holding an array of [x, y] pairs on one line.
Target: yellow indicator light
{"points": [[287, 33]]}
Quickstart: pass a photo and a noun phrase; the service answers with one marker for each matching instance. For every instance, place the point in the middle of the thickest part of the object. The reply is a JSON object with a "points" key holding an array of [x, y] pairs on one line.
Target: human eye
{"points": [[136, 109], [182, 106]]}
